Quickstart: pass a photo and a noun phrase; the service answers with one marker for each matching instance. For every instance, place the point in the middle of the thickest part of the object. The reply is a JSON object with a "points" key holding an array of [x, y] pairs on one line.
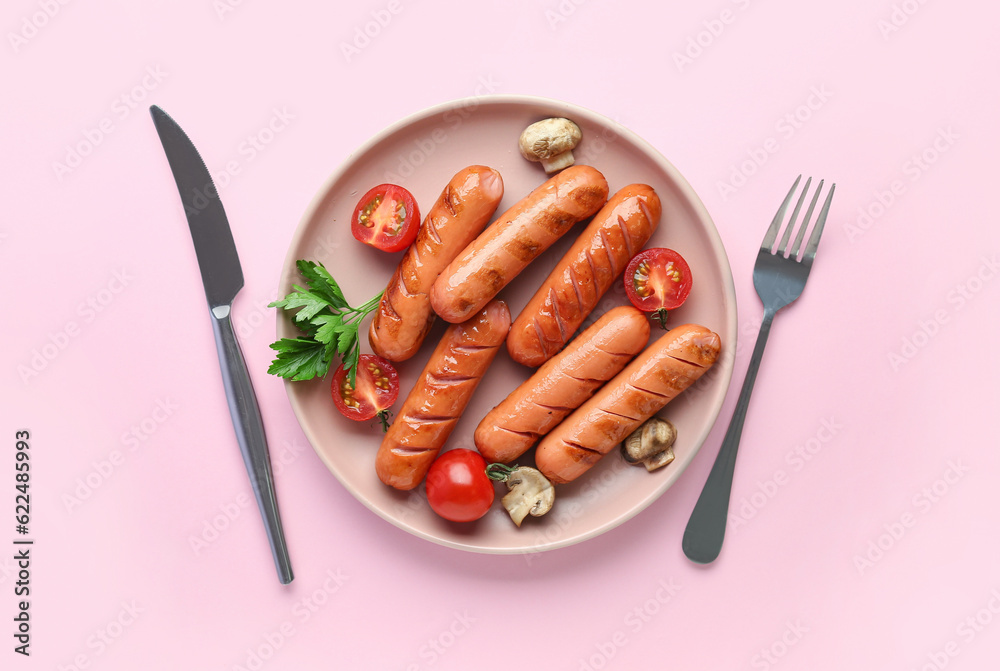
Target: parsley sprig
{"points": [[329, 323]]}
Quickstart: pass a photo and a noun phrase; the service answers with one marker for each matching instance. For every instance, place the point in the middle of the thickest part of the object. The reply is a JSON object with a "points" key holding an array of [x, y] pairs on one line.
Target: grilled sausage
{"points": [[464, 208], [563, 383], [653, 379], [435, 403], [584, 273], [515, 239]]}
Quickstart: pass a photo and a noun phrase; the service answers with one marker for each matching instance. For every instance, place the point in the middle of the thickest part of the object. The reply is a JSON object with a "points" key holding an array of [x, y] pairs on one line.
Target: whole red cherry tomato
{"points": [[375, 390], [386, 218], [458, 488], [657, 280]]}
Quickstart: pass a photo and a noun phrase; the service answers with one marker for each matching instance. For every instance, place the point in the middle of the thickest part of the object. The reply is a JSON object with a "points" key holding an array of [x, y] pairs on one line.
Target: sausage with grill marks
{"points": [[563, 383], [434, 405], [514, 240], [464, 208], [584, 274], [653, 379]]}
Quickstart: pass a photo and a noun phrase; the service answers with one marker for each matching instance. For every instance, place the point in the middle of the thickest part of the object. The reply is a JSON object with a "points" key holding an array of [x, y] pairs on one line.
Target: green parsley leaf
{"points": [[350, 359], [329, 323], [329, 327], [299, 359], [349, 351], [311, 304], [322, 283]]}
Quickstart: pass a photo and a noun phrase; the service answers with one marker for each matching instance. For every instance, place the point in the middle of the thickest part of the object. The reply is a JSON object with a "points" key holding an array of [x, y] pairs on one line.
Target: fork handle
{"points": [[707, 526]]}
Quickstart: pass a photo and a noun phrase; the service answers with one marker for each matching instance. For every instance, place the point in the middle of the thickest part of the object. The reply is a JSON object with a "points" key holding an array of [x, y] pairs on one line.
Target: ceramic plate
{"points": [[422, 153]]}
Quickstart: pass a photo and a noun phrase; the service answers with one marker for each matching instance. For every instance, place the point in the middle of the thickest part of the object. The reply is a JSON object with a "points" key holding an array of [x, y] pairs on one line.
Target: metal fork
{"points": [[779, 277]]}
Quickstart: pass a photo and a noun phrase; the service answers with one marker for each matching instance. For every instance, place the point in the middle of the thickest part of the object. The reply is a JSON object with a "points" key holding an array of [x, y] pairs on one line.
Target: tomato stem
{"points": [[500, 472], [383, 416], [660, 317]]}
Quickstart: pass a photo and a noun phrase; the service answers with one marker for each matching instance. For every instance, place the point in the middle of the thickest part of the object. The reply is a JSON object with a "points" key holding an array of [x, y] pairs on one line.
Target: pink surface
{"points": [[865, 511]]}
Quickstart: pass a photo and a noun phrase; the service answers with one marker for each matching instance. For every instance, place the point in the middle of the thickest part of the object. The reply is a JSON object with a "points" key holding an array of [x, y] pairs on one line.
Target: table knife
{"points": [[222, 276]]}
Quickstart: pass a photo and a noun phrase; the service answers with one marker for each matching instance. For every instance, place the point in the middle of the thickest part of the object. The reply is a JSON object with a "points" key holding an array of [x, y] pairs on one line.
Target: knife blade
{"points": [[222, 277]]}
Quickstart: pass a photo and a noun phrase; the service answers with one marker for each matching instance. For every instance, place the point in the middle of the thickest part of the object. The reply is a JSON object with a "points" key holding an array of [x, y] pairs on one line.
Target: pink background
{"points": [[886, 367]]}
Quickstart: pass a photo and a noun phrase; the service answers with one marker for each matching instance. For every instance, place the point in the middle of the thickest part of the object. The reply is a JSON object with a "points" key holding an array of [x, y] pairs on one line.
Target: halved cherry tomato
{"points": [[458, 488], [386, 218], [657, 280], [375, 390]]}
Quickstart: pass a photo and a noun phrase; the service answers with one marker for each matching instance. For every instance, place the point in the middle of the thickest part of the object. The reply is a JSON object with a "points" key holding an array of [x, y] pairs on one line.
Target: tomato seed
{"points": [[641, 280], [365, 217]]}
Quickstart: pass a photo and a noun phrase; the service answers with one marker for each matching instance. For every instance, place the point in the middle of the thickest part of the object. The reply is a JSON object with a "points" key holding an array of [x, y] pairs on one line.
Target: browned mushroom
{"points": [[651, 444], [530, 493]]}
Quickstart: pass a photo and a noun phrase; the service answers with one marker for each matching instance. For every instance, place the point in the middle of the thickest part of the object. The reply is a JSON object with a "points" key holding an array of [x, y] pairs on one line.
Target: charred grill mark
{"points": [[629, 244], [583, 380], [524, 434], [449, 200], [428, 419], [618, 414], [401, 288], [677, 358], [555, 408], [410, 451], [431, 227], [586, 196], [615, 354], [583, 448], [414, 256], [593, 266], [648, 391], [494, 280], [447, 380], [555, 314], [645, 211], [468, 349], [609, 250], [576, 290], [538, 331], [387, 307], [554, 220], [523, 250]]}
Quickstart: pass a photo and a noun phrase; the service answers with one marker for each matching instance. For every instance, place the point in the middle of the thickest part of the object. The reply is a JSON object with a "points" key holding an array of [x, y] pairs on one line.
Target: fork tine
{"points": [[772, 232], [805, 222], [783, 245], [818, 231]]}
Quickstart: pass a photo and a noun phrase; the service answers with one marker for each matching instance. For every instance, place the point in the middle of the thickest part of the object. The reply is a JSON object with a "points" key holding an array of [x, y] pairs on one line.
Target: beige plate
{"points": [[422, 153]]}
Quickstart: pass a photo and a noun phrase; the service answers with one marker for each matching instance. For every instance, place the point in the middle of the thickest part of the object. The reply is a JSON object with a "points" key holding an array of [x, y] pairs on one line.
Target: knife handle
{"points": [[250, 435]]}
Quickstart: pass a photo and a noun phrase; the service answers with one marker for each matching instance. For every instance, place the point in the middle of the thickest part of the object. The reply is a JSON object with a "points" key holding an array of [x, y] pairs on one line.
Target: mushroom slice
{"points": [[551, 142], [651, 444], [530, 493]]}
